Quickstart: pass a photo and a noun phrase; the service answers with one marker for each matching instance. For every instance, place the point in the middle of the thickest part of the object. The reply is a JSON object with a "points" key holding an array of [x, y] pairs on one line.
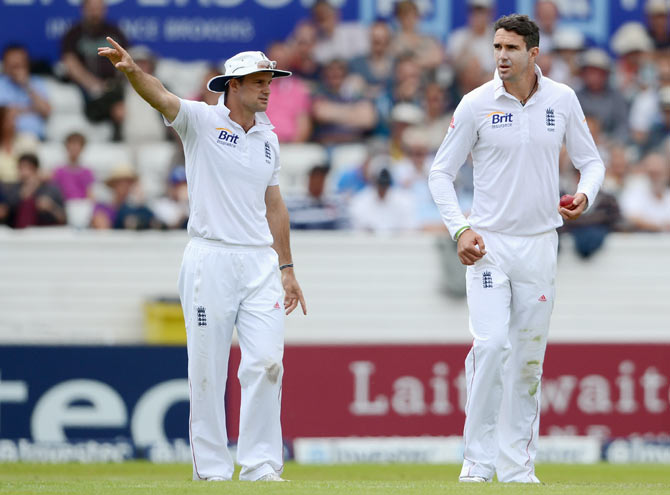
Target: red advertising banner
{"points": [[612, 390]]}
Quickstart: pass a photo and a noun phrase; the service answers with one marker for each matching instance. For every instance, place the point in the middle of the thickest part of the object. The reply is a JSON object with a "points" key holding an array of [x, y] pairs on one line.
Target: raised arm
{"points": [[278, 220], [146, 85]]}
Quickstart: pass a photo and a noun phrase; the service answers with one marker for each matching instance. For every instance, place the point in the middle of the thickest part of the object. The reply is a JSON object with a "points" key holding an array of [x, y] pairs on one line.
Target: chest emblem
{"points": [[500, 119], [550, 120], [268, 153]]}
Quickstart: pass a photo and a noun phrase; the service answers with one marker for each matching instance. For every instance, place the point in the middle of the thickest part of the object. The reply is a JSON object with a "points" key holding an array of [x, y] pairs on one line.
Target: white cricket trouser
{"points": [[510, 294], [222, 286]]}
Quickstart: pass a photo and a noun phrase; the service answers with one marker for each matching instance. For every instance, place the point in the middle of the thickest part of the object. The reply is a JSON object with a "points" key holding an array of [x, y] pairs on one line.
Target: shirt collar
{"points": [[262, 120], [499, 88]]}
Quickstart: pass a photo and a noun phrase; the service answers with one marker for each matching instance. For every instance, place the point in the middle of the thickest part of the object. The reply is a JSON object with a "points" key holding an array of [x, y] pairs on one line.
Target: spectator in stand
{"points": [[172, 209], [568, 44], [12, 145], [140, 122], [425, 50], [646, 199], [476, 39], [382, 208], [316, 209], [616, 173], [355, 179], [658, 22], [376, 68], [73, 180], [203, 93], [99, 80], [469, 76], [25, 93], [341, 114], [407, 80], [290, 105], [546, 17], [411, 174], [634, 48], [301, 46], [598, 98], [659, 135], [4, 206], [32, 201], [126, 210], [336, 39], [646, 111], [437, 116], [403, 116], [592, 227]]}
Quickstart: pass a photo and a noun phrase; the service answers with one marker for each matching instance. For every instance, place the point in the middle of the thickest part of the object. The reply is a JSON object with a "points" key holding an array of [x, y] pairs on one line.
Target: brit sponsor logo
{"points": [[227, 137], [500, 119]]}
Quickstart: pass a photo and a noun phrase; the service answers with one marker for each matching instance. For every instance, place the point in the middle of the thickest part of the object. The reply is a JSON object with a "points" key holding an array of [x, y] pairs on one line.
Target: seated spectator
{"points": [[355, 179], [634, 47], [425, 50], [172, 209], [316, 210], [403, 115], [598, 98], [645, 201], [592, 227], [25, 93], [568, 44], [546, 17], [382, 208], [99, 80], [73, 179], [4, 206], [289, 107], [337, 39], [140, 122], [646, 112], [411, 174], [301, 46], [205, 94], [437, 117], [341, 114], [126, 210], [476, 39], [658, 22], [12, 145], [376, 68], [616, 173], [407, 80], [32, 201]]}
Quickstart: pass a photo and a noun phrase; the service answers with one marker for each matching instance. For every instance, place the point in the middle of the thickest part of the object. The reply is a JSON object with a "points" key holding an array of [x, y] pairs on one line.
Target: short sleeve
{"points": [[190, 115]]}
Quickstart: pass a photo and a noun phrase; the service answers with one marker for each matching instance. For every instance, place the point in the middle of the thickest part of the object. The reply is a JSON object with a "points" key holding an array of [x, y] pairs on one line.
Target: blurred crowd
{"points": [[388, 88]]}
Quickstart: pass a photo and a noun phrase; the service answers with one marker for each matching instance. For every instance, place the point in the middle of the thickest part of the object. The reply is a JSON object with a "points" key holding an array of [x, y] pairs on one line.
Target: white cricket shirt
{"points": [[228, 171], [515, 152]]}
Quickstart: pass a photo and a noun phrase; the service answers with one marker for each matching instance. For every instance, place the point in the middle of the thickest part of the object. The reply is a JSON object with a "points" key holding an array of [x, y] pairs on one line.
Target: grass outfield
{"points": [[143, 478]]}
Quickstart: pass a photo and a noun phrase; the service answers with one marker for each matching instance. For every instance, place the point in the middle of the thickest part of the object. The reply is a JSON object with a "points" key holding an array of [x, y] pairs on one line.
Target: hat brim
{"points": [[217, 84]]}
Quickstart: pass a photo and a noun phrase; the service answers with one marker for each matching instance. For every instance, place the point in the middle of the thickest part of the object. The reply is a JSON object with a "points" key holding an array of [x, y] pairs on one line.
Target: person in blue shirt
{"points": [[26, 93]]}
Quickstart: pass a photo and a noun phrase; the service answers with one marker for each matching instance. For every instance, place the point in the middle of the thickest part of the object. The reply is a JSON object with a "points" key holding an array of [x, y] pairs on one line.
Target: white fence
{"points": [[60, 286]]}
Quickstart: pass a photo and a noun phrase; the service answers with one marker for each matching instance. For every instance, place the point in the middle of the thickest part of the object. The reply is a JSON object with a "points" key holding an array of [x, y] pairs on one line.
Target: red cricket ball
{"points": [[566, 200]]}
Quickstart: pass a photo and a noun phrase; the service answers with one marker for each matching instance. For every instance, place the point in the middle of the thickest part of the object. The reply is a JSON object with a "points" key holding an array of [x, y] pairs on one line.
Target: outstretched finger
{"points": [[117, 46], [302, 304]]}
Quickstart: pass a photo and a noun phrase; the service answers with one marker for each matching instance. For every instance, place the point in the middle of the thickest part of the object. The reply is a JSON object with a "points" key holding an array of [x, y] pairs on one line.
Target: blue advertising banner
{"points": [[215, 29], [93, 403]]}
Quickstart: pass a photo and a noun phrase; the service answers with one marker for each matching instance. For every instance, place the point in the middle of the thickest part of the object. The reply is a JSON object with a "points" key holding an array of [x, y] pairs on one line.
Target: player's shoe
{"points": [[472, 479], [271, 477], [216, 478]]}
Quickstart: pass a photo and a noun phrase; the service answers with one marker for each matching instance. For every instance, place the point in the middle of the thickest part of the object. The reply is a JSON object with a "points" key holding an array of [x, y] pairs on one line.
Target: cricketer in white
{"points": [[230, 273], [514, 126]]}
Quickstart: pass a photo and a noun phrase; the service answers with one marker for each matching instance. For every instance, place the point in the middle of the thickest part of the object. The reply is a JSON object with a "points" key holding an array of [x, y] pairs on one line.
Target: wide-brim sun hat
{"points": [[241, 65]]}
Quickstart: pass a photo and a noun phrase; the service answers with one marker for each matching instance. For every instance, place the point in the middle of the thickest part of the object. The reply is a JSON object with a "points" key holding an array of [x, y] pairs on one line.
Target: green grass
{"points": [[143, 478]]}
